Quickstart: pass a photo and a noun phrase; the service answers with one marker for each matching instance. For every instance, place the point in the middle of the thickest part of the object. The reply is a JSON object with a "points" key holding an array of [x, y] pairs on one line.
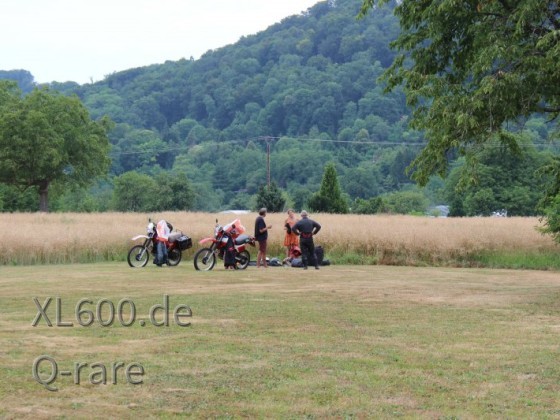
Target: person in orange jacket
{"points": [[291, 240]]}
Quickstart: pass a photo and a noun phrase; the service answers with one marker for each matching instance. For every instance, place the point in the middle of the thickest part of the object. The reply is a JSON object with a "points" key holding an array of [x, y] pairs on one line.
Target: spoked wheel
{"points": [[174, 256], [138, 256], [204, 259], [243, 260]]}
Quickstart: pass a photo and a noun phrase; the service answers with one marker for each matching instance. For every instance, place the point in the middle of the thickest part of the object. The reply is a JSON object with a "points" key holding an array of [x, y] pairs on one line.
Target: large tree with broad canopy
{"points": [[47, 137], [473, 70]]}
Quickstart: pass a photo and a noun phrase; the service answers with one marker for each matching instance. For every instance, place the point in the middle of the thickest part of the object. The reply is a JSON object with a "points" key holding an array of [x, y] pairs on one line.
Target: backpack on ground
{"points": [[297, 262], [319, 254]]}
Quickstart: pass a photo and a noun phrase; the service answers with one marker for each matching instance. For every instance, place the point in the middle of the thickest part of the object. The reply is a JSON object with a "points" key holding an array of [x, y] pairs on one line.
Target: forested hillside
{"points": [[195, 133]]}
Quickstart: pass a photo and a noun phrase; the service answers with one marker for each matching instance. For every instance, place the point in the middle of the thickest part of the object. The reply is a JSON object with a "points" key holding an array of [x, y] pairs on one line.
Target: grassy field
{"points": [[348, 239], [345, 341]]}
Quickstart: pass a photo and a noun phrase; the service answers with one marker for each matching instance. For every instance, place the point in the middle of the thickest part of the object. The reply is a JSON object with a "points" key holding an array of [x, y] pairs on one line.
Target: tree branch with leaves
{"points": [[471, 70]]}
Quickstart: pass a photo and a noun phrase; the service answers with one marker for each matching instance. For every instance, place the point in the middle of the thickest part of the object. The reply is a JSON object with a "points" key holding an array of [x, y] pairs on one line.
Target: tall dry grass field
{"points": [[38, 238]]}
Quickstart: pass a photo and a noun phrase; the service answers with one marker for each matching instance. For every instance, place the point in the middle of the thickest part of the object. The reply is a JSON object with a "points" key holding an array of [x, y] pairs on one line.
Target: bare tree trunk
{"points": [[44, 196]]}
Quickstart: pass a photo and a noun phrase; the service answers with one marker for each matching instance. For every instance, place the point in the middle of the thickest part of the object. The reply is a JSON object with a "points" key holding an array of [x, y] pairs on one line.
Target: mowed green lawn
{"points": [[345, 341]]}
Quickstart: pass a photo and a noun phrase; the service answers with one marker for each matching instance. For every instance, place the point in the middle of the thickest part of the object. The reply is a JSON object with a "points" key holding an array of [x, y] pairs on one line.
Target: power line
{"points": [[312, 140], [185, 147]]}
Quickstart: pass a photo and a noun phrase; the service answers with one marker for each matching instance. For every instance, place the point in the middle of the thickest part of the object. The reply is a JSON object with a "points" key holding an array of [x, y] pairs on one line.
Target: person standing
{"points": [[261, 235], [229, 254], [306, 229], [290, 239], [163, 230]]}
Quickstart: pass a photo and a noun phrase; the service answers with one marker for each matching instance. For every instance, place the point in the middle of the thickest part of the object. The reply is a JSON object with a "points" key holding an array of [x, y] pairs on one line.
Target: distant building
{"points": [[235, 212], [439, 211], [499, 213]]}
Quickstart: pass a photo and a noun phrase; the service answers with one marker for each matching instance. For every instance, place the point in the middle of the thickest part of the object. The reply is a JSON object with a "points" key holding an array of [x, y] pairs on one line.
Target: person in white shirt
{"points": [[163, 231]]}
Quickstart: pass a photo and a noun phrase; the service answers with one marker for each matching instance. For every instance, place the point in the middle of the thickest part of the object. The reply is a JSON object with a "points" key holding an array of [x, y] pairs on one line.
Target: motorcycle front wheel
{"points": [[138, 256], [174, 256], [243, 260], [204, 259]]}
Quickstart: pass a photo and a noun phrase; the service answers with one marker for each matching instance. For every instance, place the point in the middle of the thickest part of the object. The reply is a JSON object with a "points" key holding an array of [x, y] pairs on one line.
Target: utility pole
{"points": [[268, 162], [268, 140]]}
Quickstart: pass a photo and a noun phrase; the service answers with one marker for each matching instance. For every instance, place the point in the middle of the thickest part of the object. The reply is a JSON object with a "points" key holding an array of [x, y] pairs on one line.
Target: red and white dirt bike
{"points": [[205, 258], [139, 255]]}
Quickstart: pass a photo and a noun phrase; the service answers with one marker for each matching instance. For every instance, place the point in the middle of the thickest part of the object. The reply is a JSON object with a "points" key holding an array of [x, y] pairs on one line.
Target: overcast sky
{"points": [[84, 40]]}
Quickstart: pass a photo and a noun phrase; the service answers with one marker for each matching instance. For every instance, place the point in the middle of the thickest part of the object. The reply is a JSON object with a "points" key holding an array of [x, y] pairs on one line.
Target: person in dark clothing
{"points": [[306, 229], [261, 235], [229, 254]]}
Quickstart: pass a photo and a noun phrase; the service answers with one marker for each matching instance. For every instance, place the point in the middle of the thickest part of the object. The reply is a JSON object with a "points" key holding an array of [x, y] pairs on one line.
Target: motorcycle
{"points": [[205, 258], [139, 255]]}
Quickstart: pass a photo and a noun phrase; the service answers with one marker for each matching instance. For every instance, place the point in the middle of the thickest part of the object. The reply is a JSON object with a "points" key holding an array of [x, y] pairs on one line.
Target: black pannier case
{"points": [[184, 242]]}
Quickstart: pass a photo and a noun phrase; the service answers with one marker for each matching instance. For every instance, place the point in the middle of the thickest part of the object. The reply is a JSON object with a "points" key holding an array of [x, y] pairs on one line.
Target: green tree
{"points": [[329, 198], [46, 137], [552, 216], [24, 79], [12, 199], [481, 202], [271, 198], [77, 200], [299, 196], [405, 202], [362, 181], [138, 149], [174, 192], [471, 69], [134, 192], [550, 203], [503, 180], [371, 206]]}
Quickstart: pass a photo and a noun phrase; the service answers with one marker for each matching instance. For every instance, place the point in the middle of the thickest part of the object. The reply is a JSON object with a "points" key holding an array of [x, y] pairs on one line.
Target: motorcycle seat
{"points": [[242, 239]]}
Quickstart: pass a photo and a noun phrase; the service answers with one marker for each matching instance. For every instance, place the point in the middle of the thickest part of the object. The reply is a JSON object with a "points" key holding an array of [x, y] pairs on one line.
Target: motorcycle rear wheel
{"points": [[204, 259], [138, 256], [243, 260], [174, 257]]}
